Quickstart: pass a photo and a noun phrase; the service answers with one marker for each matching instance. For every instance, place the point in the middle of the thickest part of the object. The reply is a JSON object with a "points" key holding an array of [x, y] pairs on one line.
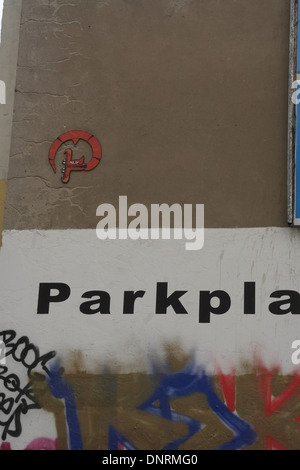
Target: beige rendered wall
{"points": [[188, 99], [10, 22]]}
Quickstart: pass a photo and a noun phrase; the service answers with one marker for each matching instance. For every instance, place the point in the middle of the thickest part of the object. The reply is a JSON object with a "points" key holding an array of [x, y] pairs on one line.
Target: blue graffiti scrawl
{"points": [[180, 385], [190, 381], [116, 441], [63, 391]]}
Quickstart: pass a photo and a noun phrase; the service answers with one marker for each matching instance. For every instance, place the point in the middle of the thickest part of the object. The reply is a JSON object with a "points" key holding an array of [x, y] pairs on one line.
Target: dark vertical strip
{"points": [[297, 143], [249, 298], [291, 112]]}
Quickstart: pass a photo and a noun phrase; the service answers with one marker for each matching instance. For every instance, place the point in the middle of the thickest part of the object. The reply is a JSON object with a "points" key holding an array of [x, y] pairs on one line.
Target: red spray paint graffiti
{"points": [[42, 443], [274, 406]]}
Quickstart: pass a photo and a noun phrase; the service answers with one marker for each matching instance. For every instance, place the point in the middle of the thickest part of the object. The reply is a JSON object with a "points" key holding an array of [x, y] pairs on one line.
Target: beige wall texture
{"points": [[187, 98], [11, 16]]}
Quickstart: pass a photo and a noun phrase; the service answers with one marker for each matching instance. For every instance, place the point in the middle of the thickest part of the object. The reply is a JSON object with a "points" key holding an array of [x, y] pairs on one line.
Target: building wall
{"points": [[9, 42], [189, 102]]}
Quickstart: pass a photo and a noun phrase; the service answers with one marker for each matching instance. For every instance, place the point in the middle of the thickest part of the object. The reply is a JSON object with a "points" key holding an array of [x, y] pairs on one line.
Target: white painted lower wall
{"points": [[230, 257]]}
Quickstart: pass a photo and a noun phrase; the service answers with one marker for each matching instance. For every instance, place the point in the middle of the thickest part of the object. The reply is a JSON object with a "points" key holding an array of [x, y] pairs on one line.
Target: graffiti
{"points": [[41, 443], [69, 164], [177, 407], [272, 405], [157, 409], [14, 407], [116, 441], [279, 396], [62, 390], [18, 399], [23, 351], [188, 383], [180, 385]]}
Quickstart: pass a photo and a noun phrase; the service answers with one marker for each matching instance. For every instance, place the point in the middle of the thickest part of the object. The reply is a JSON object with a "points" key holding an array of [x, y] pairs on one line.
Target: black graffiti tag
{"points": [[16, 400], [25, 352]]}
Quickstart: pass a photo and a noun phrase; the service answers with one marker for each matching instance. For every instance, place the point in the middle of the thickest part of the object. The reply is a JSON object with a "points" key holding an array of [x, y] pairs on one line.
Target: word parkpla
{"points": [[216, 302]]}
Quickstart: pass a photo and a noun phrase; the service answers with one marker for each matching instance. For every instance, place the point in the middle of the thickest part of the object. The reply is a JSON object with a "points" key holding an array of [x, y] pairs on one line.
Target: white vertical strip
{"points": [[10, 19], [2, 84], [1, 17]]}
